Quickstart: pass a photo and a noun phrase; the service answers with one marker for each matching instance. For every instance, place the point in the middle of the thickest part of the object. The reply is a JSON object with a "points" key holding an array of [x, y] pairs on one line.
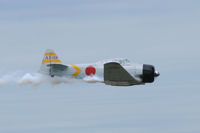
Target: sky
{"points": [[162, 33]]}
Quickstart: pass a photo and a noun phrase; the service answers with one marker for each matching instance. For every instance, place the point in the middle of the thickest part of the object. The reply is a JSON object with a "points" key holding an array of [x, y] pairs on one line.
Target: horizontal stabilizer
{"points": [[57, 69]]}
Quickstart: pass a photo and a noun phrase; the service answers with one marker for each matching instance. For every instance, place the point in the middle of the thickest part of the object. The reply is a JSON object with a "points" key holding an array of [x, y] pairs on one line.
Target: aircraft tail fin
{"points": [[51, 63], [50, 57]]}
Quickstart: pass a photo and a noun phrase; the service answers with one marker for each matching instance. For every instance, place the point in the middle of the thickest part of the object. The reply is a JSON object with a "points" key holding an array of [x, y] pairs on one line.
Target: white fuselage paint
{"points": [[134, 70]]}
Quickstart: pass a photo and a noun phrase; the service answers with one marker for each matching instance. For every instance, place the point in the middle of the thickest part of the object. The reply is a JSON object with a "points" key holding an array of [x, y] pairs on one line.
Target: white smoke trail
{"points": [[33, 79], [36, 79], [8, 78]]}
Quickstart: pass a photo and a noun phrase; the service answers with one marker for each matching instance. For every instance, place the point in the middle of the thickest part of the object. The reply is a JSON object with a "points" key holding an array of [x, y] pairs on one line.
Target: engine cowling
{"points": [[148, 73]]}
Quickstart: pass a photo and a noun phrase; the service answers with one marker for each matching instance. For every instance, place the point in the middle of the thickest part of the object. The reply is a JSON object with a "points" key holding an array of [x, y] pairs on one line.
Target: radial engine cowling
{"points": [[148, 73]]}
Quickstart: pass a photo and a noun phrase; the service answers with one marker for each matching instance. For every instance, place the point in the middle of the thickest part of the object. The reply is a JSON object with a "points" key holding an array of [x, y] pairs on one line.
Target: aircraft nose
{"points": [[156, 74]]}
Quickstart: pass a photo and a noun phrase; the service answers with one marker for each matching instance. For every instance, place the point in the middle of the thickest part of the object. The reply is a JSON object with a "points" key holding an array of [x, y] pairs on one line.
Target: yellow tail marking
{"points": [[78, 70], [50, 54], [51, 61]]}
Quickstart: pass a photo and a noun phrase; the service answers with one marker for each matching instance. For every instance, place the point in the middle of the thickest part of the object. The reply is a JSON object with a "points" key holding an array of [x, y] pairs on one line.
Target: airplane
{"points": [[115, 72]]}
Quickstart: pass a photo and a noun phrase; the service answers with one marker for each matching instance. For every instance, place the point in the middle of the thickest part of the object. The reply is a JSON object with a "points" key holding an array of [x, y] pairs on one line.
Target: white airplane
{"points": [[116, 72]]}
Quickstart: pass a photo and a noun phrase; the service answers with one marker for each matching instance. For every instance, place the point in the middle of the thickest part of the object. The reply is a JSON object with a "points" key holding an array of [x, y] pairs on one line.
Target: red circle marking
{"points": [[90, 70]]}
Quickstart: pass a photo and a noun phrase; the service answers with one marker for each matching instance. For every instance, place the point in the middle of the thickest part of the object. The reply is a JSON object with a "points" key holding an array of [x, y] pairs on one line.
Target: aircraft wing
{"points": [[115, 74], [57, 69]]}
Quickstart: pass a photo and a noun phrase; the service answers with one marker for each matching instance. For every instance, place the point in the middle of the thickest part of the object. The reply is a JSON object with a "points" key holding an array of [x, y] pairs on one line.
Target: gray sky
{"points": [[162, 33]]}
